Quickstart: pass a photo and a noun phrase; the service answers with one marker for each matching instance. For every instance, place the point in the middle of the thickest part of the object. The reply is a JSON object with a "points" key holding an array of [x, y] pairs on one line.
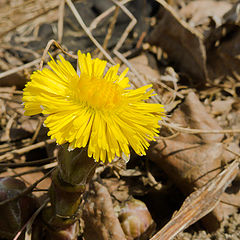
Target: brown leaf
{"points": [[141, 64], [117, 188], [187, 164], [198, 204], [99, 218], [199, 11], [183, 44], [224, 59], [30, 178], [192, 160], [193, 114], [222, 106], [223, 46]]}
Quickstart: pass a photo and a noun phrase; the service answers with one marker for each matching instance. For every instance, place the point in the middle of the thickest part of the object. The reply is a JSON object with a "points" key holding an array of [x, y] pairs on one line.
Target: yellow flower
{"points": [[92, 109]]}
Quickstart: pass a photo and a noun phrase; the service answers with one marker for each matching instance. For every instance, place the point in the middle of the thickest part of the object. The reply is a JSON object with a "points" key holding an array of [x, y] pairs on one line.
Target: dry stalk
{"points": [[10, 155], [9, 125], [199, 131], [199, 203], [40, 122], [36, 169], [28, 189], [18, 69], [140, 80], [87, 31], [103, 15], [110, 30], [28, 224], [60, 20], [49, 44], [23, 12], [128, 28], [24, 164], [21, 49], [174, 91]]}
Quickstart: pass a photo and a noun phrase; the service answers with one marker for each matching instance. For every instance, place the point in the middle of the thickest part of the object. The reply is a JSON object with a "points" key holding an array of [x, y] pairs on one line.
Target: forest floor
{"points": [[189, 181]]}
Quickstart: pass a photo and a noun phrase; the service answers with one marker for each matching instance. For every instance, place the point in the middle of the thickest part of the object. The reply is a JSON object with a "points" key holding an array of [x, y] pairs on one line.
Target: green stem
{"points": [[75, 169]]}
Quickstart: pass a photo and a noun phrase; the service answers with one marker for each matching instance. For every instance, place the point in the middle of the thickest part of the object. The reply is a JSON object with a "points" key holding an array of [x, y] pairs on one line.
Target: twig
{"points": [[121, 41], [21, 49], [27, 190], [151, 178], [49, 44], [28, 224], [140, 40], [229, 150], [168, 137], [9, 125], [10, 155], [24, 164], [128, 28], [36, 169], [40, 122], [199, 131], [99, 18], [60, 20], [10, 100], [87, 31], [230, 204], [17, 92], [199, 203], [174, 91], [110, 30], [18, 69], [12, 146]]}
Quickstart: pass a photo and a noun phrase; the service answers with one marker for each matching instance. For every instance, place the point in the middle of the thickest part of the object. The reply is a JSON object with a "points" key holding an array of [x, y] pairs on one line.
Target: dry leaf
{"points": [[99, 217], [192, 160], [182, 43], [198, 204], [192, 113], [199, 11], [30, 178]]}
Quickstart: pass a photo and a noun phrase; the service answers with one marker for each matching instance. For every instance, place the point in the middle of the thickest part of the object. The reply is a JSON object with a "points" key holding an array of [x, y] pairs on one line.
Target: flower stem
{"points": [[75, 169]]}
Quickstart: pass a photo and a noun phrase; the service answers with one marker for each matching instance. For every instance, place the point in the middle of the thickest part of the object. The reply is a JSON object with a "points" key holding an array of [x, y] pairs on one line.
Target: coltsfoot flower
{"points": [[88, 108]]}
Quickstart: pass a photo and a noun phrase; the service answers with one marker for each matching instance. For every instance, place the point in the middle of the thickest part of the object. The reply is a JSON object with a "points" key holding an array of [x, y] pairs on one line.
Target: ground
{"points": [[189, 52]]}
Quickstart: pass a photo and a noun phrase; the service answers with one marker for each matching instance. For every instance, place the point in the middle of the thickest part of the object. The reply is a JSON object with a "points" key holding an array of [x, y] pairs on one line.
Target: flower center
{"points": [[98, 92]]}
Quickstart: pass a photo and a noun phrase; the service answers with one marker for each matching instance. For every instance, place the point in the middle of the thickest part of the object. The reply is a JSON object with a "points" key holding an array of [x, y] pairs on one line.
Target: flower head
{"points": [[92, 109]]}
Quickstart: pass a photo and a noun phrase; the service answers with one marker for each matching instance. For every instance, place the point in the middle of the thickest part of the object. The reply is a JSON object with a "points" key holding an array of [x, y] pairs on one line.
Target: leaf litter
{"points": [[187, 187]]}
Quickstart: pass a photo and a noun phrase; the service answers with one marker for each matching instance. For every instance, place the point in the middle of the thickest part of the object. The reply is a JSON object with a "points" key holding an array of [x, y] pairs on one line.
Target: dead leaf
{"points": [[189, 165], [30, 178], [99, 218], [199, 12], [182, 43], [222, 46], [192, 160], [141, 64], [220, 107], [224, 60], [192, 113], [198, 204], [117, 188]]}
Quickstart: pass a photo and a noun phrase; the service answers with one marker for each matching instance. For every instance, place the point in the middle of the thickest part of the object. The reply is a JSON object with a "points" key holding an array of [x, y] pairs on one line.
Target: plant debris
{"points": [[187, 186]]}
